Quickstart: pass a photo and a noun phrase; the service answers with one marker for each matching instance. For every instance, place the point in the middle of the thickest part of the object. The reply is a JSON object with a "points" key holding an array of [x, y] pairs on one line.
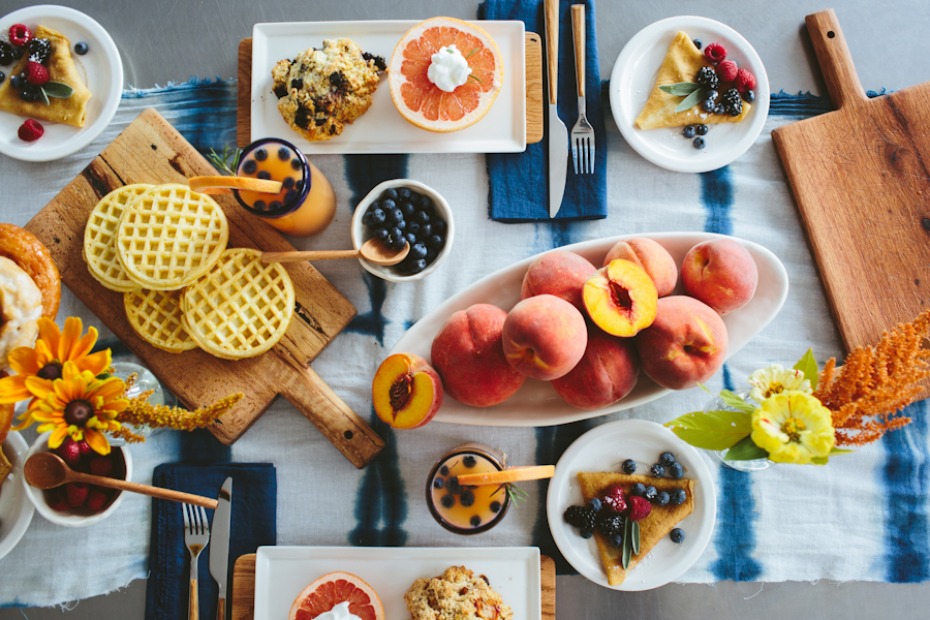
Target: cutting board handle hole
{"points": [[831, 34], [348, 434]]}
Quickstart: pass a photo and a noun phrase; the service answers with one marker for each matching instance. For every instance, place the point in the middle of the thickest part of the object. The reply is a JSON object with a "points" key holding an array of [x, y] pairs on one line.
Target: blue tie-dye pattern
{"points": [[717, 196], [381, 498], [735, 538], [906, 477]]}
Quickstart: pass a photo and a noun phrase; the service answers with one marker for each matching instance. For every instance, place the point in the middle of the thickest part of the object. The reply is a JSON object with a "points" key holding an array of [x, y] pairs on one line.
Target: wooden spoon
{"points": [[372, 250], [47, 471]]}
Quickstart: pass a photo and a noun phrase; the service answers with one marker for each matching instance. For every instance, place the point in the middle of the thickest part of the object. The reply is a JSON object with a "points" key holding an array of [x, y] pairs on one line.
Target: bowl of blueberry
{"points": [[405, 212]]}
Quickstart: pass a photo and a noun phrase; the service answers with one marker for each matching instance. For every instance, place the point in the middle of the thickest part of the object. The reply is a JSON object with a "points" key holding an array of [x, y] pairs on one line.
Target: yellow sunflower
{"points": [[78, 405], [45, 361]]}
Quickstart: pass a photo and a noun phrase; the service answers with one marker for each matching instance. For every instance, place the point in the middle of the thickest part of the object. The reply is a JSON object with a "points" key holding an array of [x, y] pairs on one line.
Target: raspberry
{"points": [[56, 500], [726, 71], [76, 493], [639, 508], [745, 80], [615, 498], [36, 73], [68, 450], [715, 52], [20, 35], [101, 466], [97, 499]]}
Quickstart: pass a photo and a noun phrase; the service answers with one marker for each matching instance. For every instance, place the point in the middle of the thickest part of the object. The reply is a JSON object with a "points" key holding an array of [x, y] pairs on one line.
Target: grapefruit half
{"points": [[423, 103], [334, 588]]}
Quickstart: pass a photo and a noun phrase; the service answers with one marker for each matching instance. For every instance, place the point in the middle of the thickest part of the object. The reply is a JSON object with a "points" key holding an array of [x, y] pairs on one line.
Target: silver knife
{"points": [[558, 134], [219, 545]]}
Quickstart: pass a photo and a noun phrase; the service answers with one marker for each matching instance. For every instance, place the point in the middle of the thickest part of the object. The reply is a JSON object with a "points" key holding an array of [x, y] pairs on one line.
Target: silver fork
{"points": [[196, 537], [582, 132]]}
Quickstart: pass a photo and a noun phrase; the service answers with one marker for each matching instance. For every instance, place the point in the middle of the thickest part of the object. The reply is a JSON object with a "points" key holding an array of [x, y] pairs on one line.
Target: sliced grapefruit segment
{"points": [[513, 474], [332, 589], [426, 105]]}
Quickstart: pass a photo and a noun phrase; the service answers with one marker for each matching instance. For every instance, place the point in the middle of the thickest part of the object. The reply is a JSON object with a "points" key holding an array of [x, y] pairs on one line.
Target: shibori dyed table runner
{"points": [[862, 517]]}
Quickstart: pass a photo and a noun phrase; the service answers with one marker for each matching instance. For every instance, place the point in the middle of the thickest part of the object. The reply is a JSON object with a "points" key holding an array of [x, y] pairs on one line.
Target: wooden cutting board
{"points": [[243, 587], [861, 179], [150, 150], [534, 96]]}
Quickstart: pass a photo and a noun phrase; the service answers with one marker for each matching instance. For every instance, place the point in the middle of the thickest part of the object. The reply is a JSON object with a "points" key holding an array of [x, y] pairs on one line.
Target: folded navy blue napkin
{"points": [[253, 524], [519, 181]]}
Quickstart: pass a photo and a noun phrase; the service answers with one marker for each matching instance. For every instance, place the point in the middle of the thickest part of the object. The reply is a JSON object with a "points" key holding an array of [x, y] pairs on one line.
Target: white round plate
{"points": [[15, 510], [101, 68], [633, 78], [604, 448]]}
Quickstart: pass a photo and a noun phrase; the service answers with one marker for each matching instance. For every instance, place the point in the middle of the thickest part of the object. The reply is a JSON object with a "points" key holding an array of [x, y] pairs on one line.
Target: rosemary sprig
{"points": [[515, 493], [228, 162]]}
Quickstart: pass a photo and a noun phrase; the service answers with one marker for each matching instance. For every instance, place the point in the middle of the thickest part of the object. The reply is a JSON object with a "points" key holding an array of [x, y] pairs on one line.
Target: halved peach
{"points": [[406, 391], [621, 298]]}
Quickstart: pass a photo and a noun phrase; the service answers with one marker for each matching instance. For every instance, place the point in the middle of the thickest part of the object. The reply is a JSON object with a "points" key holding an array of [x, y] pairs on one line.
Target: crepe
{"points": [[682, 62], [652, 529], [61, 68]]}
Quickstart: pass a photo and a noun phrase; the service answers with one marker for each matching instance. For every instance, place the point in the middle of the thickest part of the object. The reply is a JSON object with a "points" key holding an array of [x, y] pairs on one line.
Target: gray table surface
{"points": [[172, 40]]}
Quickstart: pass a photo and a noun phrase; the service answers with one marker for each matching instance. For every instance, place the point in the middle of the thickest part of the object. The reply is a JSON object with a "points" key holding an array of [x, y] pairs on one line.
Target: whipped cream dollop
{"points": [[448, 69], [339, 612]]}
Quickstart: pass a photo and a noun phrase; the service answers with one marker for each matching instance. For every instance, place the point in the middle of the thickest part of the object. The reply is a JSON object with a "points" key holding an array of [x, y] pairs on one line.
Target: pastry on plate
{"points": [[20, 309], [70, 110], [324, 89], [30, 254], [456, 594], [653, 528]]}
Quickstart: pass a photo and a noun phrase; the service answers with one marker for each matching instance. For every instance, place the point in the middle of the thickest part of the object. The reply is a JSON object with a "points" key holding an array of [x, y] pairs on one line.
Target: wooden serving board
{"points": [[243, 587], [861, 179], [150, 150], [534, 88]]}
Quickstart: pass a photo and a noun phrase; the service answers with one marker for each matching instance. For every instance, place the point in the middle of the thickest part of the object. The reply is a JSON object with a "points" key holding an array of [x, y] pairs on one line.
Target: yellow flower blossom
{"points": [[793, 427], [773, 380]]}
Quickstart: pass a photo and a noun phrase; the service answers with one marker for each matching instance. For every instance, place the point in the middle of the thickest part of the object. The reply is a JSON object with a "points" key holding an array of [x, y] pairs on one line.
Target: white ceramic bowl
{"points": [[359, 234], [15, 510], [72, 518]]}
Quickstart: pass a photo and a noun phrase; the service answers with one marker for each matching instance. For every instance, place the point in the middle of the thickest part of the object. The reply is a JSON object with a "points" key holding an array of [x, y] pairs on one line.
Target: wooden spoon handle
{"points": [[222, 184], [578, 36], [145, 489], [297, 256]]}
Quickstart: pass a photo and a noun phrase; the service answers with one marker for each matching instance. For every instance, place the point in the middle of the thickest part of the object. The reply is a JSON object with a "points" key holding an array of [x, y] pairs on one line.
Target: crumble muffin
{"points": [[322, 90], [457, 594]]}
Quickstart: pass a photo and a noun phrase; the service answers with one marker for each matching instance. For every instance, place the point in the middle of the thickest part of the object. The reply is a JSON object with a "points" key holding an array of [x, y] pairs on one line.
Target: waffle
{"points": [[241, 308], [100, 238], [156, 317], [169, 236]]}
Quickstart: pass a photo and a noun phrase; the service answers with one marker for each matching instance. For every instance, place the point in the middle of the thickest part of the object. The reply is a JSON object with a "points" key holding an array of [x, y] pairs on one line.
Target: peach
{"points": [[621, 298], [721, 273], [406, 391], [560, 273], [685, 345], [652, 257], [607, 372], [468, 354], [544, 337]]}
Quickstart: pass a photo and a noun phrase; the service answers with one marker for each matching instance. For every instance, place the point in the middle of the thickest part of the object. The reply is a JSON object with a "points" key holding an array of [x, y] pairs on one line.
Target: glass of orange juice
{"points": [[466, 509], [306, 203]]}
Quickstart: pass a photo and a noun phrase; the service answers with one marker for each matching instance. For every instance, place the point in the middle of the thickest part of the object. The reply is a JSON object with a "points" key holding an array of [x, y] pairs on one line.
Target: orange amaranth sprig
{"points": [[142, 413], [875, 383]]}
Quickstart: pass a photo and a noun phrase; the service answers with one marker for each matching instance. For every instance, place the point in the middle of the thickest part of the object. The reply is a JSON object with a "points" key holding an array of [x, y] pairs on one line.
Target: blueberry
{"points": [[378, 217], [448, 500], [595, 504], [708, 106], [677, 535], [390, 193], [404, 193], [650, 493], [629, 466], [495, 506], [676, 471], [444, 470], [408, 209], [657, 470], [697, 43], [426, 230], [749, 96], [417, 266], [638, 489], [417, 250], [259, 205], [699, 143], [80, 48], [467, 498], [17, 81], [423, 217], [284, 153], [438, 483], [688, 131], [380, 234], [469, 461], [288, 183], [388, 204], [667, 458], [439, 226], [413, 227], [436, 242], [719, 109], [402, 224], [475, 521], [411, 238], [678, 497], [264, 174], [397, 233], [616, 540], [701, 129], [662, 498], [276, 205], [261, 154], [586, 533], [453, 484], [296, 164], [397, 242], [291, 195], [2, 77], [395, 215], [30, 93]]}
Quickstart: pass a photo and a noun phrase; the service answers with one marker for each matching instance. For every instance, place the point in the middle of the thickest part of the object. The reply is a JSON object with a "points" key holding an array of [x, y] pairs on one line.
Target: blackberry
{"points": [[699, 143], [678, 497], [662, 499], [6, 53], [676, 471], [677, 535], [707, 77], [732, 102], [667, 458], [650, 493], [378, 61], [688, 132], [581, 517], [609, 523], [638, 489], [657, 470], [629, 466], [39, 50]]}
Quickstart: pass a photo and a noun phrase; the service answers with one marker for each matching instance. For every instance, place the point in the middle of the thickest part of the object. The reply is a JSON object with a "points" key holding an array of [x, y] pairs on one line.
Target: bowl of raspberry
{"points": [[75, 504], [405, 212]]}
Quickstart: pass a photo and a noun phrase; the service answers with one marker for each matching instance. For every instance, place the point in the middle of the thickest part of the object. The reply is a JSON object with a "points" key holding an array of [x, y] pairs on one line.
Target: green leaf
{"points": [[712, 430], [840, 451], [228, 161], [745, 450], [734, 400], [690, 101], [57, 90], [808, 365], [635, 534], [627, 543], [681, 89], [44, 96]]}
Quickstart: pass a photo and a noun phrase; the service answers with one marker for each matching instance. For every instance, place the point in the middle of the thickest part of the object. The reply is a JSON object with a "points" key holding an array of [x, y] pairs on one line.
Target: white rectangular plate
{"points": [[382, 129], [282, 572]]}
